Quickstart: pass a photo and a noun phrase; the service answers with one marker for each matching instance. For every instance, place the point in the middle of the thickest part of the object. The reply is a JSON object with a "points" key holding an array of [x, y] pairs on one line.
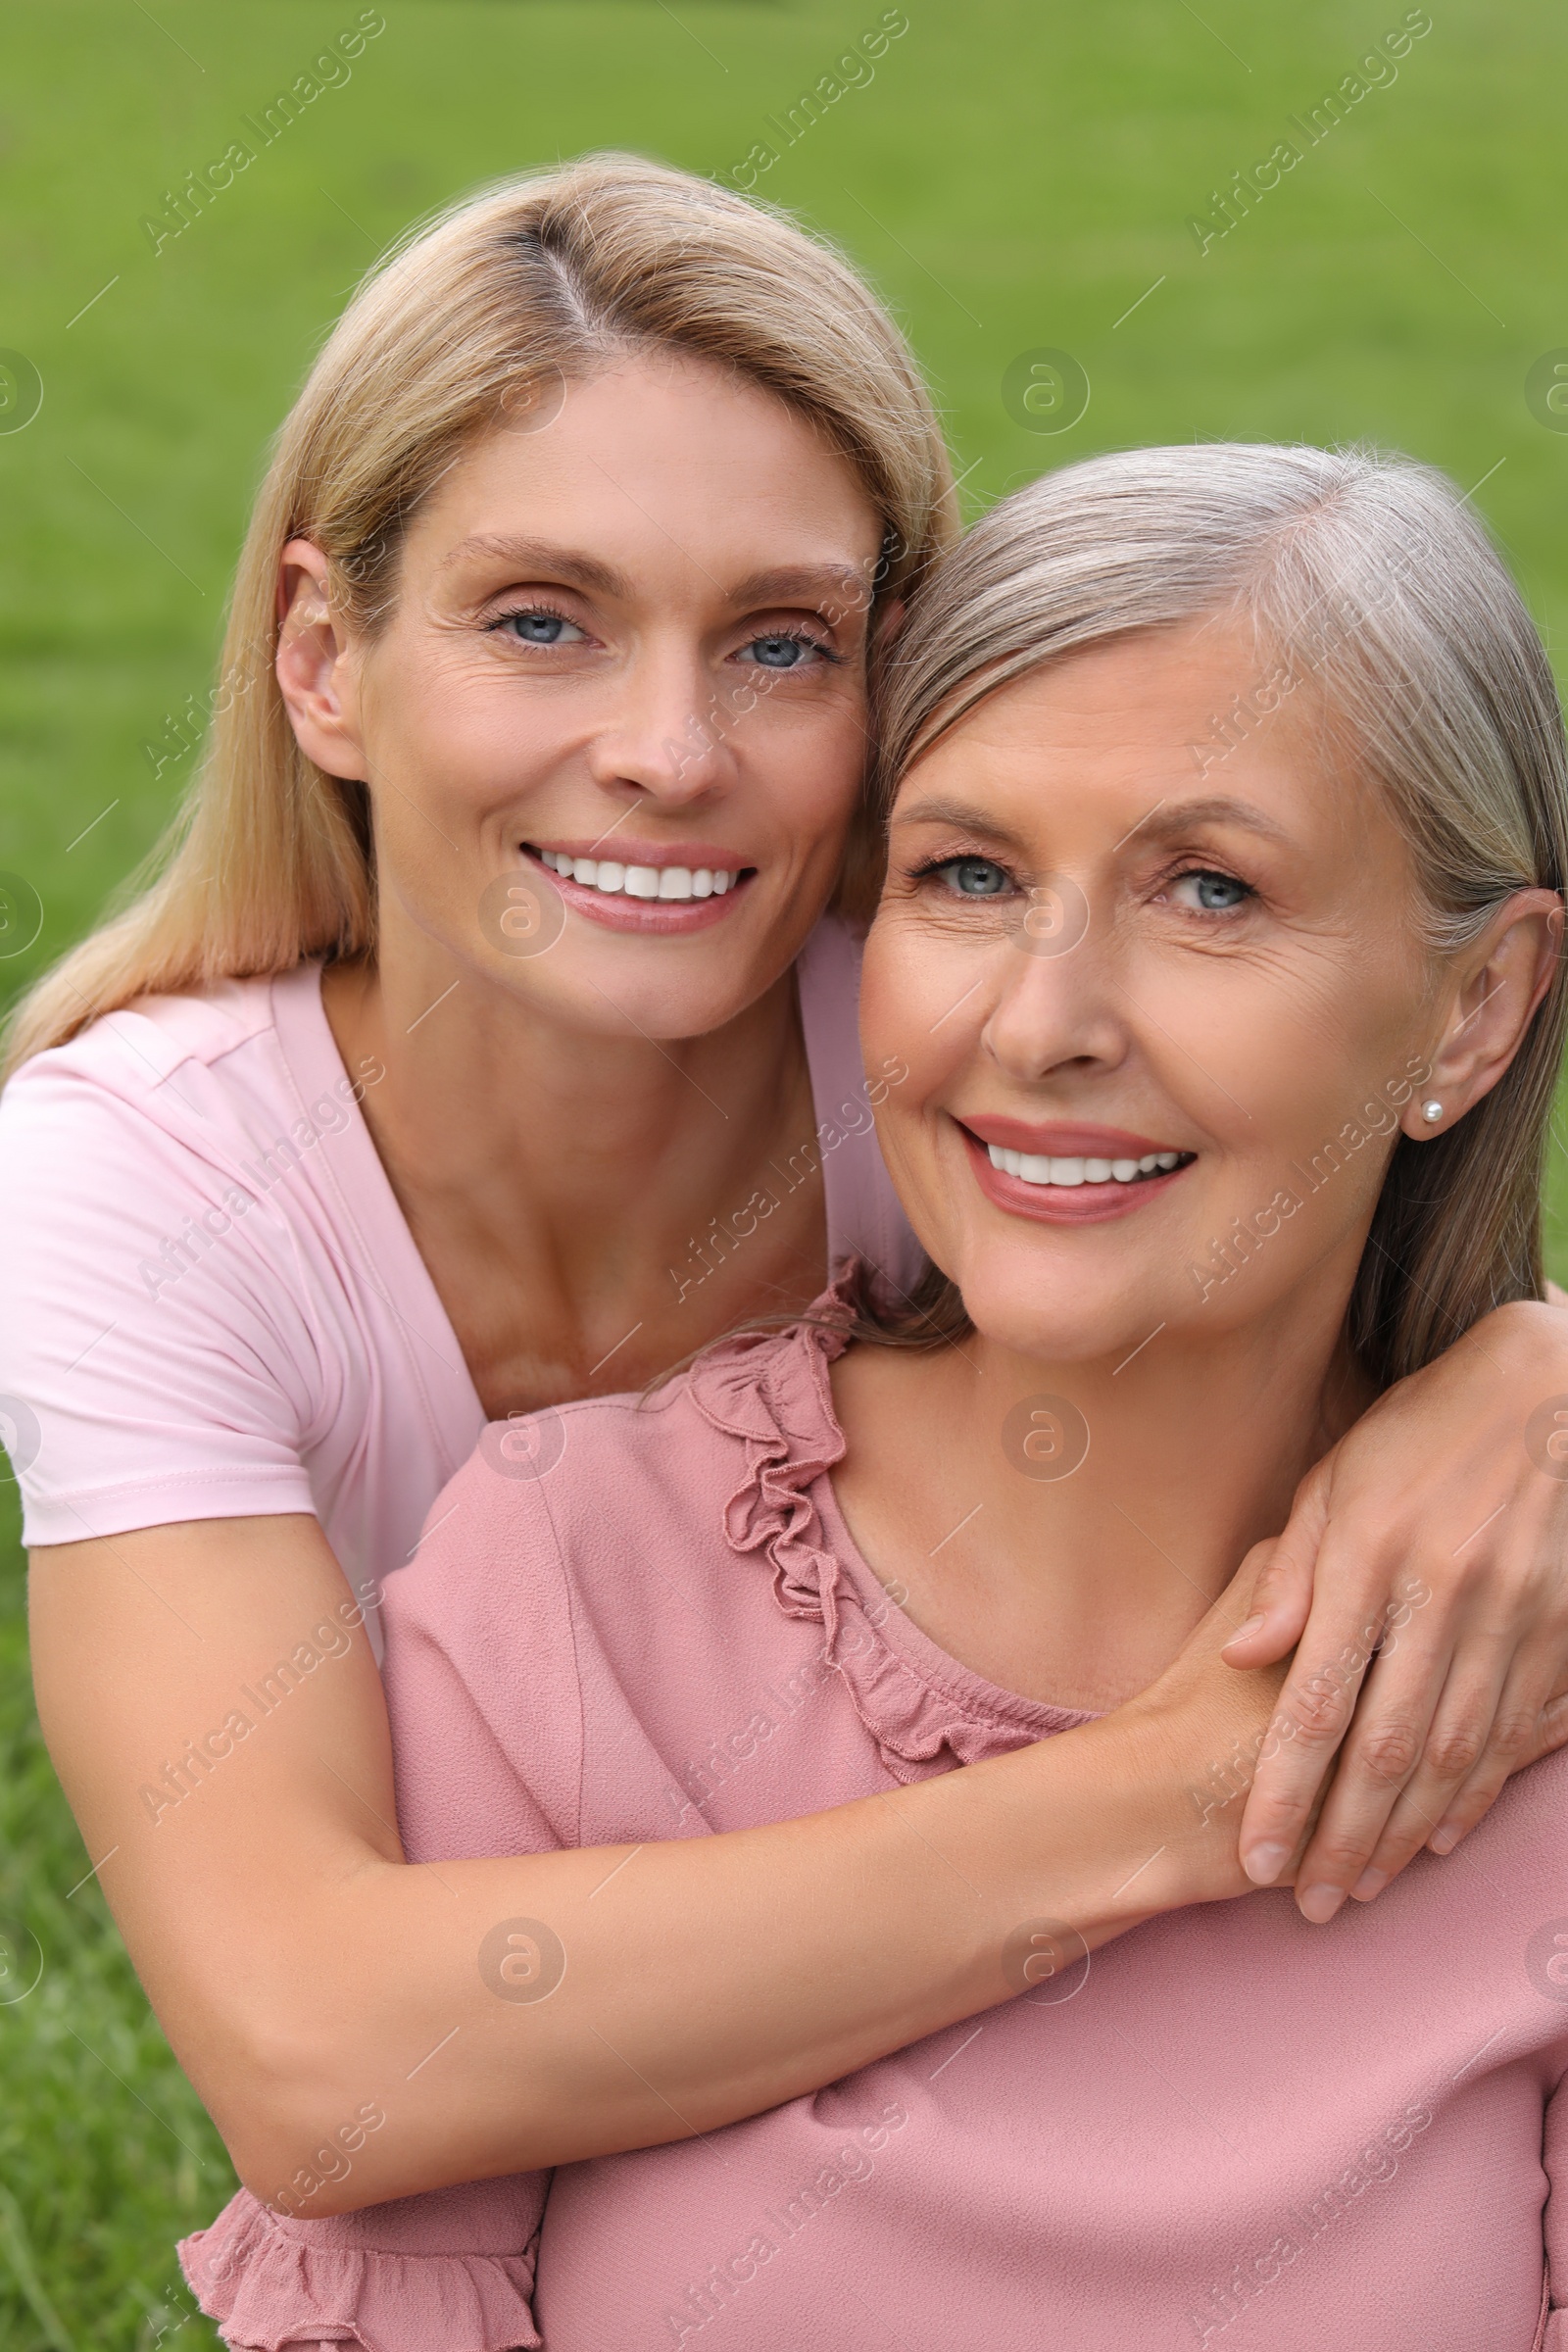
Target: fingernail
{"points": [[1444, 1837], [1242, 1631], [1319, 1903], [1369, 1884], [1263, 1863]]}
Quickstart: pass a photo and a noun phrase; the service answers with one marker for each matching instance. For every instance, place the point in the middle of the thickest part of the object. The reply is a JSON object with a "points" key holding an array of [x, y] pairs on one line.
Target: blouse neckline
{"points": [[771, 1391]]}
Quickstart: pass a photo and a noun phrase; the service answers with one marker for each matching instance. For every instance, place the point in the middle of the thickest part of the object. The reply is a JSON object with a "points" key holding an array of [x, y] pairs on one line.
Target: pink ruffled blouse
{"points": [[1226, 2129]]}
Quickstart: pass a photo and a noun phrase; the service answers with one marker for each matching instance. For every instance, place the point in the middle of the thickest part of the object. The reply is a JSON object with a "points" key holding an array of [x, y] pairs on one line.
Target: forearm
{"points": [[304, 1972], [703, 1979]]}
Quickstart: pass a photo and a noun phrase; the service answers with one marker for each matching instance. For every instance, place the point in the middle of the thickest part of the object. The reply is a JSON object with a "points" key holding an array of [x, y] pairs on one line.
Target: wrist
{"points": [[1188, 1769]]}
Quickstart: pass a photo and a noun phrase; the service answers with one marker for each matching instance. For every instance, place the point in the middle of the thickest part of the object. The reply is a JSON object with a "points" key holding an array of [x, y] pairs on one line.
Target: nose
{"points": [[1055, 1009], [669, 736]]}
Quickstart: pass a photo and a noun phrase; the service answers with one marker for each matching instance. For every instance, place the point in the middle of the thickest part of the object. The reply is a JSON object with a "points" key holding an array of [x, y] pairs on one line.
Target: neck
{"points": [[477, 1080], [556, 1177], [1081, 1588]]}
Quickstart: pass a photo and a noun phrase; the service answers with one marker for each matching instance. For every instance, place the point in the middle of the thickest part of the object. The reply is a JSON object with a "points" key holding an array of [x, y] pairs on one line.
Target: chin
{"points": [[1058, 1318]]}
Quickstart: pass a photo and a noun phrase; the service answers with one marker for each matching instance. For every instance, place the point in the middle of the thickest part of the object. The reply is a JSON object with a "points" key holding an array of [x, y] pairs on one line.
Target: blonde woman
{"points": [[1227, 2127], [369, 1125]]}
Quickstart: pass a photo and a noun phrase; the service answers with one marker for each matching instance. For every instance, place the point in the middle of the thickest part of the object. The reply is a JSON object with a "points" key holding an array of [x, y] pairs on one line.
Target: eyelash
{"points": [[1220, 874], [530, 611], [1168, 881], [797, 636], [544, 612]]}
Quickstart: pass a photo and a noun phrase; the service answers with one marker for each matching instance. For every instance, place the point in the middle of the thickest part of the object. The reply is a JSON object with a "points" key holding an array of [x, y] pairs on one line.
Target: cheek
{"points": [[805, 765], [918, 1011], [911, 983], [1317, 1074]]}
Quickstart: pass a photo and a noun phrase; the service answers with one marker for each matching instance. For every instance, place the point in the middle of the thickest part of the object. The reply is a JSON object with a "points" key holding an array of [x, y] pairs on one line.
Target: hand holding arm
{"points": [[1423, 1578]]}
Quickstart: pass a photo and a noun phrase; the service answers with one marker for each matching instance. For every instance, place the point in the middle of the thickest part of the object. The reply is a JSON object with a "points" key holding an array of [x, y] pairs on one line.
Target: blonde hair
{"points": [[469, 320], [1368, 580]]}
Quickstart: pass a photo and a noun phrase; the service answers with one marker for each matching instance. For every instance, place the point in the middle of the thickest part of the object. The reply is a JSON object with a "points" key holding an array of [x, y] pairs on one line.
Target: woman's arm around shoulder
{"points": [[301, 1968]]}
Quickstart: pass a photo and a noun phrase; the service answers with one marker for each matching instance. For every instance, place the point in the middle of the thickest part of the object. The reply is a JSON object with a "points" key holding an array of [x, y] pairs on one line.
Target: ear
{"points": [[317, 669], [1492, 997]]}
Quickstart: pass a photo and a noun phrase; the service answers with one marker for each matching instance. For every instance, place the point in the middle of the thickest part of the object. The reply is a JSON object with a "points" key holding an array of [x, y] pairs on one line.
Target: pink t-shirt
{"points": [[210, 1305], [1227, 2128]]}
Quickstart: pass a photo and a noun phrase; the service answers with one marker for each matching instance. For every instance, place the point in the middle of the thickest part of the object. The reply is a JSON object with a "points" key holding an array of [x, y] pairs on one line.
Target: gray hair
{"points": [[1367, 578]]}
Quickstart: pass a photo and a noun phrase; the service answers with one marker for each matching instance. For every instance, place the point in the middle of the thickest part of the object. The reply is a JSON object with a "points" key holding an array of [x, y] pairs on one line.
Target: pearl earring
{"points": [[1432, 1112]]}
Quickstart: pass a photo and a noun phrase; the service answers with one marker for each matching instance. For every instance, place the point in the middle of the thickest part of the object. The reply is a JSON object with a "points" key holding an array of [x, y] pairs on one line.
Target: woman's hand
{"points": [[1210, 1726], [1431, 1545]]}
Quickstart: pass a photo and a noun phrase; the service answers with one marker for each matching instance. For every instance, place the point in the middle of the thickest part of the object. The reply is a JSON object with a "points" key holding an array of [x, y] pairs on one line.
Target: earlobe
{"points": [[1496, 998]]}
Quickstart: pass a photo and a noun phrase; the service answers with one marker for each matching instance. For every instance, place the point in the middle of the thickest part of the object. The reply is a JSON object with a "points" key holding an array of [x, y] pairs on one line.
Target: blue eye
{"points": [[781, 653], [1214, 893], [537, 626], [974, 877]]}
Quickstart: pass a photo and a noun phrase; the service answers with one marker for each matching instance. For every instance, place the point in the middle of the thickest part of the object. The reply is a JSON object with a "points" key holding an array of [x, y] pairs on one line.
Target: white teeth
{"points": [[1035, 1168], [613, 879]]}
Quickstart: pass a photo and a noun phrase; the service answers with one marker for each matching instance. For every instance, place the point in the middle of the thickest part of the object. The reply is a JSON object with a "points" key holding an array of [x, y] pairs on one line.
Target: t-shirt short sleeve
{"points": [[210, 1305], [155, 1349]]}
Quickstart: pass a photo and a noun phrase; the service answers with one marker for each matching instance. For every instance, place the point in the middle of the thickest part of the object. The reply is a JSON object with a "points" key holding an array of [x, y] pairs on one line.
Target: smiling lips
{"points": [[613, 876], [1036, 1168], [1069, 1174], [656, 891]]}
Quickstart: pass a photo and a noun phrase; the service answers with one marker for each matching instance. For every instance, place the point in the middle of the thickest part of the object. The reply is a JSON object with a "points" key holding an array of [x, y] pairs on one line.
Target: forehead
{"points": [[668, 450], [1182, 713]]}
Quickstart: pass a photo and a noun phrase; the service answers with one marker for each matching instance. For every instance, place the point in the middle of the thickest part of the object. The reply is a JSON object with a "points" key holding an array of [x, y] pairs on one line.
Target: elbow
{"points": [[298, 2138], [298, 2170]]}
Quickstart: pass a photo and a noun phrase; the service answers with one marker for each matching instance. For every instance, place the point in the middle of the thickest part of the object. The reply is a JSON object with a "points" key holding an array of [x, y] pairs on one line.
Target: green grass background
{"points": [[1018, 174]]}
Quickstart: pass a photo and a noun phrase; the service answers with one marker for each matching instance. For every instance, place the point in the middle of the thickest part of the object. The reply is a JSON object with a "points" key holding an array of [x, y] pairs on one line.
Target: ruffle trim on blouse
{"points": [[771, 1391], [274, 2287]]}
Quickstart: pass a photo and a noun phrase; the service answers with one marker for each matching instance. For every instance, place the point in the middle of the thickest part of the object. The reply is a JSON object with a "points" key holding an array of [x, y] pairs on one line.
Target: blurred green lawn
{"points": [[1017, 176]]}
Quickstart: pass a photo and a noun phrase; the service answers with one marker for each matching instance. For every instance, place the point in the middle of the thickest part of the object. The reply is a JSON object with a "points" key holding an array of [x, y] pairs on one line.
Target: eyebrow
{"points": [[1171, 816], [962, 816], [1163, 817], [537, 557], [804, 583]]}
